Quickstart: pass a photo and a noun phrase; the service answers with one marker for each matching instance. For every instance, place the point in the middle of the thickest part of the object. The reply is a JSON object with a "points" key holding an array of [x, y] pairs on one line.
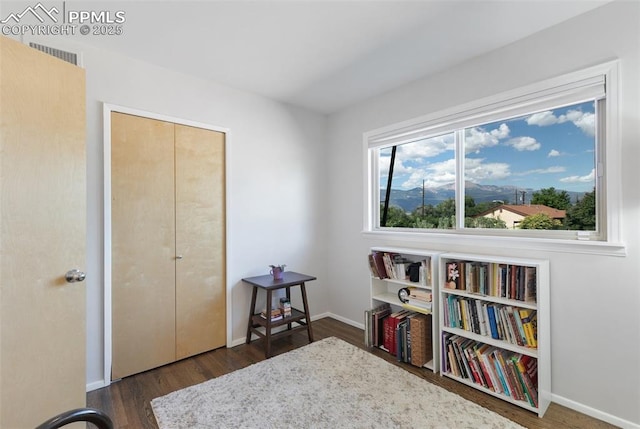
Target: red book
{"points": [[378, 259], [386, 325], [523, 364]]}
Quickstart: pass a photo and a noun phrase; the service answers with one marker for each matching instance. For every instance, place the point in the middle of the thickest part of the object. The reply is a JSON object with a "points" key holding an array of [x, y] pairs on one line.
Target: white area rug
{"points": [[326, 384]]}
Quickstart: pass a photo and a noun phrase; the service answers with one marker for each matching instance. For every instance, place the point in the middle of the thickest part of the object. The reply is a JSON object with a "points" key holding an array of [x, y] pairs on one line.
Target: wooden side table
{"points": [[301, 318]]}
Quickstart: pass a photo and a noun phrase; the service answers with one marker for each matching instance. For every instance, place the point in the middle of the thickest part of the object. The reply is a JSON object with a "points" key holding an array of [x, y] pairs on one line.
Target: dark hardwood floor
{"points": [[127, 401]]}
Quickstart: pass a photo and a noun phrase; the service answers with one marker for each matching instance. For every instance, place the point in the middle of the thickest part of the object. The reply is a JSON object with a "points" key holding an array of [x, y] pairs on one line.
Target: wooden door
{"points": [[143, 244], [42, 236], [200, 241]]}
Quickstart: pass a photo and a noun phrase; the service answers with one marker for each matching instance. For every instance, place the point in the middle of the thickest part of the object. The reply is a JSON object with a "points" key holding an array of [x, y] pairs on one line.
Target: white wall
{"points": [[276, 170], [595, 299]]}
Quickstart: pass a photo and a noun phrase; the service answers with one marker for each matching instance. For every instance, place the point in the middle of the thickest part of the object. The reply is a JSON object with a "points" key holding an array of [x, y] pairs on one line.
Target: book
{"points": [[516, 316], [387, 258], [525, 365], [401, 338], [420, 294], [399, 317], [492, 322], [421, 308], [386, 335], [483, 353], [531, 367], [509, 378], [527, 317], [390, 324], [452, 361], [479, 348], [426, 270], [515, 381], [525, 390], [530, 284], [368, 337], [408, 338], [378, 260], [285, 307], [372, 266], [513, 328], [455, 343], [379, 314], [481, 317], [276, 314], [496, 363]]}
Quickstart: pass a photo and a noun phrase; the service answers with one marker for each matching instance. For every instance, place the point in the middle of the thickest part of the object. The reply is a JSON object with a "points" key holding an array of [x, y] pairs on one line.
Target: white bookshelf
{"points": [[465, 323], [386, 291]]}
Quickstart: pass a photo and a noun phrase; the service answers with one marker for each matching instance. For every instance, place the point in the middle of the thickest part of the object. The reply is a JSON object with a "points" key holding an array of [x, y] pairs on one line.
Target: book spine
{"points": [[367, 329], [503, 381], [531, 388], [492, 322], [483, 367]]}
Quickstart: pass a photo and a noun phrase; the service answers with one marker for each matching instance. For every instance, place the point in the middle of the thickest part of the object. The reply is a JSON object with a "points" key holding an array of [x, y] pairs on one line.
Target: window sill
{"points": [[524, 243]]}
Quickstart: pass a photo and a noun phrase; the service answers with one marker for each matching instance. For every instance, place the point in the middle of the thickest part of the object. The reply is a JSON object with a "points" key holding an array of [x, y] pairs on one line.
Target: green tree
{"points": [[582, 216], [396, 217], [446, 208], [551, 197], [540, 221], [484, 222]]}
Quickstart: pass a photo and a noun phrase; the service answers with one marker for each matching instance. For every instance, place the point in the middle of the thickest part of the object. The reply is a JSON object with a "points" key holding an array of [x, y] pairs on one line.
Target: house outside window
{"points": [[537, 162]]}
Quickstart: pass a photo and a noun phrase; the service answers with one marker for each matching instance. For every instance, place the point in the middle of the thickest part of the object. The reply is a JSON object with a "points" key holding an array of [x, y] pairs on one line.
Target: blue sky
{"points": [[549, 148]]}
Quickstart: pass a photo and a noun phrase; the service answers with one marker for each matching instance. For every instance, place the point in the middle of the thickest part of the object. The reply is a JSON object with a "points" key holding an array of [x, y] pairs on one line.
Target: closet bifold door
{"points": [[200, 240], [143, 244]]}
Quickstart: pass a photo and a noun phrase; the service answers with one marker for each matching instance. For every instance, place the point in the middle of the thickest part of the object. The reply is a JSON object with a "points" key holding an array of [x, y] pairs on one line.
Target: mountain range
{"points": [[410, 199]]}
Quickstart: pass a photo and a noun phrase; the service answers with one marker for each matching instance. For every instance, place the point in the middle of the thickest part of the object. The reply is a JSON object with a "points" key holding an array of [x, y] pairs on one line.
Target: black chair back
{"points": [[97, 417]]}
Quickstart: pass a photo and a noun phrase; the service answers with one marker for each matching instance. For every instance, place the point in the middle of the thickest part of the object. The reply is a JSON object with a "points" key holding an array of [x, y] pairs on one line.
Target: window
{"points": [[530, 163]]}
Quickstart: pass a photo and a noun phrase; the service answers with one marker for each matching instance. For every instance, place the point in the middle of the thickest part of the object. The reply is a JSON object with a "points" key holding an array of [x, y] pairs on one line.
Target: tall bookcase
{"points": [[495, 326], [385, 287]]}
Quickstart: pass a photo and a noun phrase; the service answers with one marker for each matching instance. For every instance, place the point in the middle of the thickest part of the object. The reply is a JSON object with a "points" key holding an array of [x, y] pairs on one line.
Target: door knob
{"points": [[179, 256], [74, 275]]}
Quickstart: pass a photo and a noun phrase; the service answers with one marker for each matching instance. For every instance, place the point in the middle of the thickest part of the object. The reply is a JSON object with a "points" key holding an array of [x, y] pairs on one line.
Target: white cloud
{"points": [[580, 179], [425, 148], [398, 168], [475, 170], [502, 132], [549, 170], [477, 138], [585, 121], [542, 119], [553, 153], [434, 175], [524, 143], [443, 173]]}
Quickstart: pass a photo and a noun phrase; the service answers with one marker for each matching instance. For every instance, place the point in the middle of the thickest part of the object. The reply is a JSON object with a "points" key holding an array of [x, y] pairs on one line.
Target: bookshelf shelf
{"points": [[497, 343], [522, 404], [495, 326], [497, 300], [386, 281]]}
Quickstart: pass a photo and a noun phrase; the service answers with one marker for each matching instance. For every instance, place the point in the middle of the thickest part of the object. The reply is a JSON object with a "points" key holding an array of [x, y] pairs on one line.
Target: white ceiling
{"points": [[323, 55]]}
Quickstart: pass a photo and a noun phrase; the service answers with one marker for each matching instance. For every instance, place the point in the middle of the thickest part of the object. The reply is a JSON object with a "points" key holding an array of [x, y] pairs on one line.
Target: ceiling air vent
{"points": [[69, 57]]}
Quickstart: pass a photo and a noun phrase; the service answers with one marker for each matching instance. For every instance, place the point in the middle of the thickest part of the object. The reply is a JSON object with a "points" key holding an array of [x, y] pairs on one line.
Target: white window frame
{"points": [[568, 88]]}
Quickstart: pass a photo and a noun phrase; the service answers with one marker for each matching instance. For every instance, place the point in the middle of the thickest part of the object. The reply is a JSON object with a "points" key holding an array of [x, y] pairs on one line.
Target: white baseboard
{"points": [[592, 412], [560, 400], [240, 341], [96, 385], [345, 320]]}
